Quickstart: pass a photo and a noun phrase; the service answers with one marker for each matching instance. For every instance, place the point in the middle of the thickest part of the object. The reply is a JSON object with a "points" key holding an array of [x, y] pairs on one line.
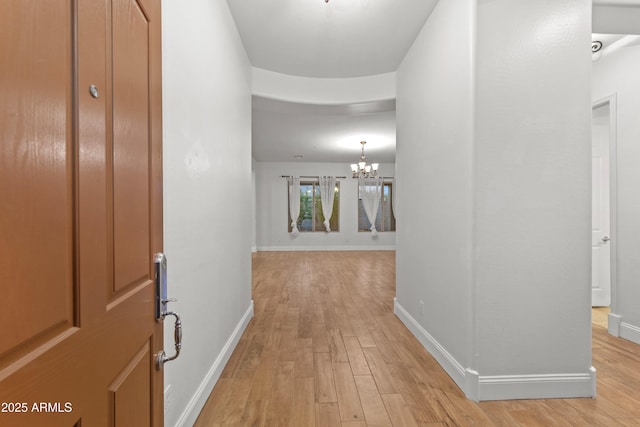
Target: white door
{"points": [[601, 232]]}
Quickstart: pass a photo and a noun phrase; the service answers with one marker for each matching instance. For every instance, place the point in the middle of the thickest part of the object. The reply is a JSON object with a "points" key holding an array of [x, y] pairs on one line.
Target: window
{"points": [[385, 221], [311, 218]]}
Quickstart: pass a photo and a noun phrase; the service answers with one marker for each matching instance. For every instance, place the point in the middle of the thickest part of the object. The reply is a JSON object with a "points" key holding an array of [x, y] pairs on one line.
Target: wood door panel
{"points": [[80, 211], [36, 155], [130, 393], [130, 46]]}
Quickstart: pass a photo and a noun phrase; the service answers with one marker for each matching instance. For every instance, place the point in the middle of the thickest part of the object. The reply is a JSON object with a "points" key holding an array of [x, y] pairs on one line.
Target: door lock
{"points": [[160, 261]]}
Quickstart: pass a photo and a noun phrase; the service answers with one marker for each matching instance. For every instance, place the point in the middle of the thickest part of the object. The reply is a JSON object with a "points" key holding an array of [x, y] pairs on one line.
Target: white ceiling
{"points": [[612, 43], [341, 38], [338, 39], [323, 133]]}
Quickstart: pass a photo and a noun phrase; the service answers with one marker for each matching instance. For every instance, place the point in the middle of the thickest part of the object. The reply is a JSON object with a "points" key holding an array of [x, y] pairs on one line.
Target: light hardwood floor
{"points": [[325, 349], [599, 316]]}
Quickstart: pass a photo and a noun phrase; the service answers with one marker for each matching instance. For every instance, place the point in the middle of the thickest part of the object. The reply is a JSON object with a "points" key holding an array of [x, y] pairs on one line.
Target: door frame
{"points": [[612, 100]]}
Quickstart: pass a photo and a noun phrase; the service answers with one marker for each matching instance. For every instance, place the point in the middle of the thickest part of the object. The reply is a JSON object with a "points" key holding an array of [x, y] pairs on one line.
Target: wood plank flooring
{"points": [[325, 349]]}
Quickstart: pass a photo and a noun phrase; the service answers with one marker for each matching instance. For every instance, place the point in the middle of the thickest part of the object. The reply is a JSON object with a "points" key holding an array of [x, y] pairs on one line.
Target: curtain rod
{"points": [[343, 177], [309, 176]]}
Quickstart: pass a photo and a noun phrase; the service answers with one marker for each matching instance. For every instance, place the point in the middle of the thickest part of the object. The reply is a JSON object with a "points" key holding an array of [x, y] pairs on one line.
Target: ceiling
{"points": [[335, 39], [338, 39], [341, 38], [613, 42], [284, 131]]}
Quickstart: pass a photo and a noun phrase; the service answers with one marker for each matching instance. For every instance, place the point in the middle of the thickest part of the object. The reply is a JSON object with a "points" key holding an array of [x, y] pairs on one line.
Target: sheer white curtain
{"points": [[327, 185], [371, 192], [294, 203], [393, 198]]}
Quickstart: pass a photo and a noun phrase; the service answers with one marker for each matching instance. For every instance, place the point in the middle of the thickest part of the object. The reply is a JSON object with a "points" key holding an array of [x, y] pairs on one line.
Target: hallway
{"points": [[325, 349]]}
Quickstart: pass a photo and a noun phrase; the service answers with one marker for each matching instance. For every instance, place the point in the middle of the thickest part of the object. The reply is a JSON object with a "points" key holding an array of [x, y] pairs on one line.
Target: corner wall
{"points": [[207, 196], [493, 119], [532, 157], [433, 164], [272, 211], [617, 74]]}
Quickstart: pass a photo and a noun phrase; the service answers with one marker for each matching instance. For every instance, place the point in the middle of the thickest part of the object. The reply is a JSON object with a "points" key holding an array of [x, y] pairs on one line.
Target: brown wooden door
{"points": [[80, 212]]}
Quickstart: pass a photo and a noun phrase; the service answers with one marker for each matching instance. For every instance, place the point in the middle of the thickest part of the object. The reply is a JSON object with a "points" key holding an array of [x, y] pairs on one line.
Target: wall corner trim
{"points": [[501, 387], [613, 324], [195, 405], [472, 385]]}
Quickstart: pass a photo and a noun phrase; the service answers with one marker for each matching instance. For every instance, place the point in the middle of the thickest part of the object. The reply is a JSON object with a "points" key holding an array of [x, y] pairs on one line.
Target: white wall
{"points": [[433, 163], [617, 74], [532, 158], [207, 195], [494, 96], [272, 208]]}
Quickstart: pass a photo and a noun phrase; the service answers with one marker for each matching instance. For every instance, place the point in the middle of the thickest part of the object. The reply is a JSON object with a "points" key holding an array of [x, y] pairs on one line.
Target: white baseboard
{"points": [[630, 332], [501, 387], [254, 249], [324, 248], [618, 328], [446, 360], [613, 324], [545, 386], [195, 405]]}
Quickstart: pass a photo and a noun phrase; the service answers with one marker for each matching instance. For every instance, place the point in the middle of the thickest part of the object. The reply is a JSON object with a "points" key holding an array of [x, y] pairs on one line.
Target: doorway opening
{"points": [[603, 168]]}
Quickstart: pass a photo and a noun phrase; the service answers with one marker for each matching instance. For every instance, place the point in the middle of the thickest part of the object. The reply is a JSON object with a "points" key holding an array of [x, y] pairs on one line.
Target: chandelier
{"points": [[362, 169]]}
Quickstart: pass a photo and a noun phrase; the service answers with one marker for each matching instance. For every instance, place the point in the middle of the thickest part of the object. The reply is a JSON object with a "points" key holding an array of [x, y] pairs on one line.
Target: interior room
{"points": [[320, 212], [471, 235]]}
